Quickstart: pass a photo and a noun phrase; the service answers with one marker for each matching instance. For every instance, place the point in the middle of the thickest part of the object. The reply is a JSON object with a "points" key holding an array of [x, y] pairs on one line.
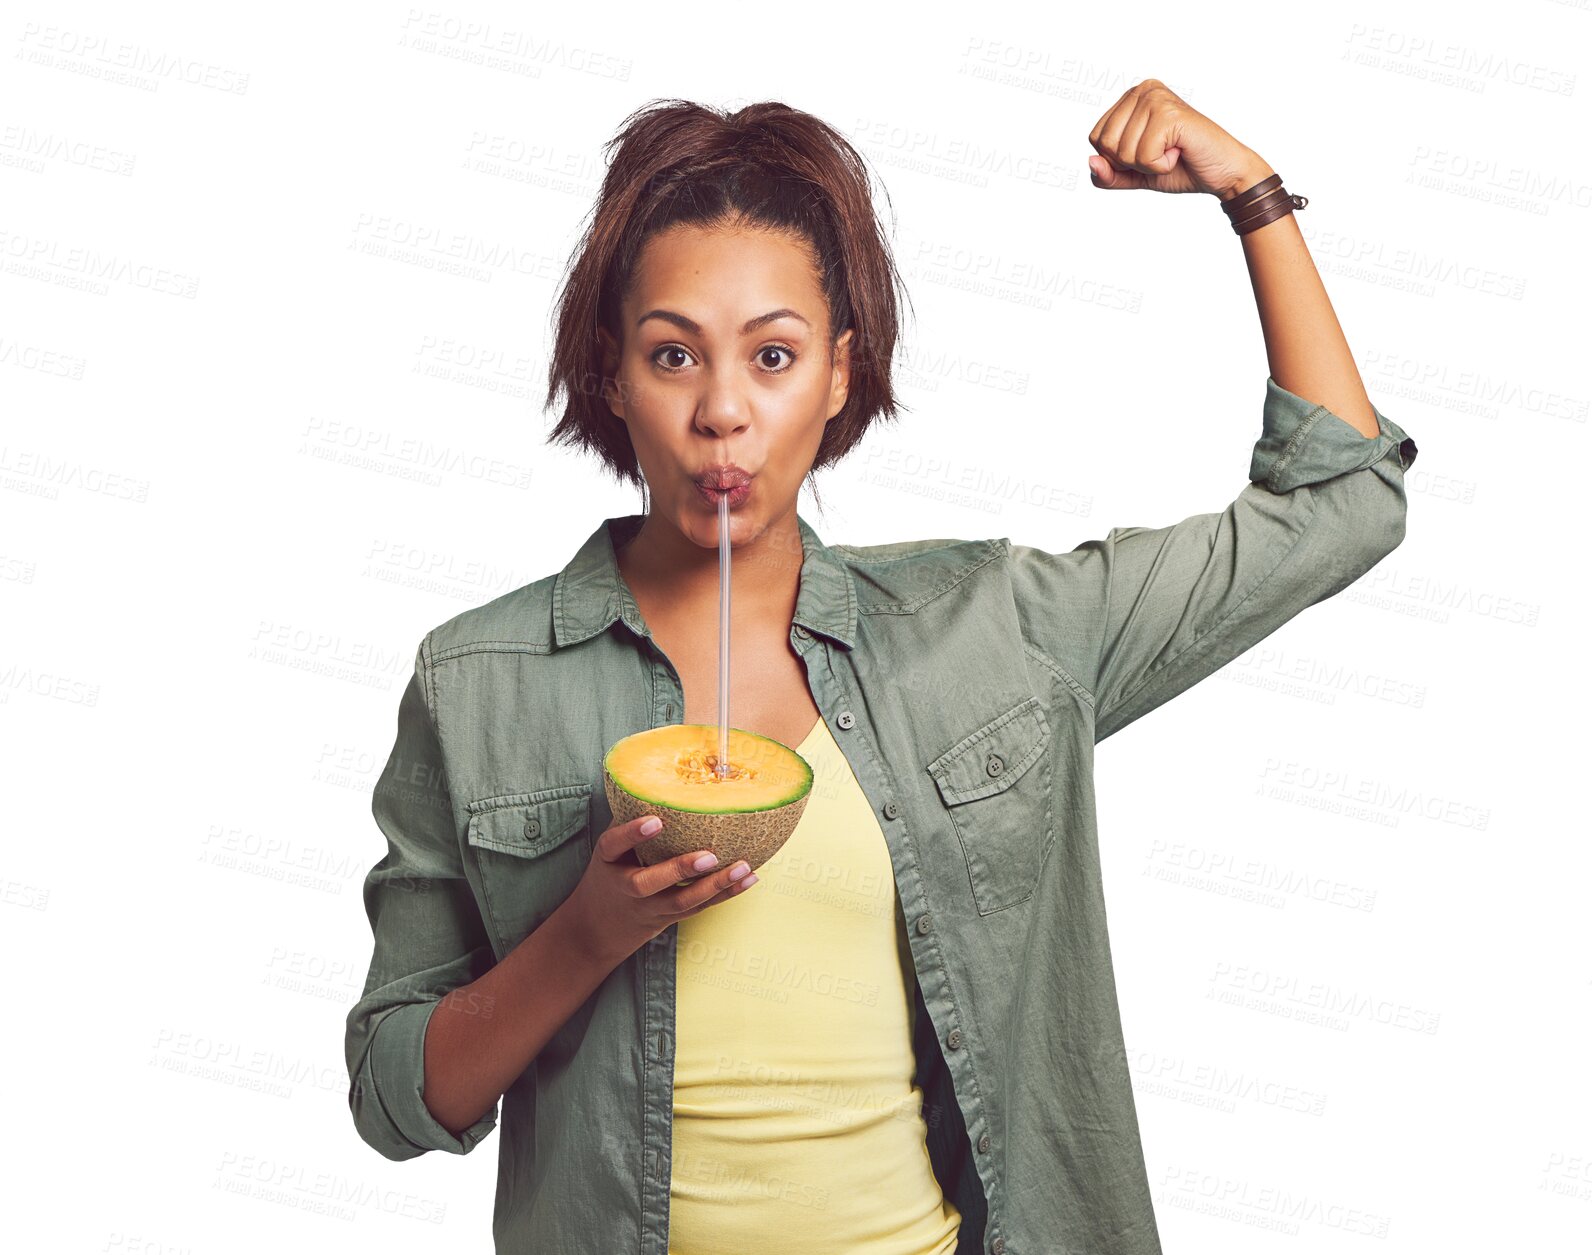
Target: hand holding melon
{"points": [[743, 817], [621, 904]]}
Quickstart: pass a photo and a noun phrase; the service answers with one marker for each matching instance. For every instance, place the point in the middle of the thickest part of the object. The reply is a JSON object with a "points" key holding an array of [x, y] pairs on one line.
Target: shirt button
{"points": [[953, 1039], [891, 810], [983, 1142], [532, 828], [845, 719], [801, 632], [994, 765], [998, 1247], [924, 924]]}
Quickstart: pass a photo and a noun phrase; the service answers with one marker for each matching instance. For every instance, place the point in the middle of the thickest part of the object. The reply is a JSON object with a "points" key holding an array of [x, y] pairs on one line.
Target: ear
{"points": [[840, 383], [610, 360]]}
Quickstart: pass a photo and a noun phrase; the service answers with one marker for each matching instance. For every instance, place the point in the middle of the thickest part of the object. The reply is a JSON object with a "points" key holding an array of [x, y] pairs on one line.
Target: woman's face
{"points": [[706, 379]]}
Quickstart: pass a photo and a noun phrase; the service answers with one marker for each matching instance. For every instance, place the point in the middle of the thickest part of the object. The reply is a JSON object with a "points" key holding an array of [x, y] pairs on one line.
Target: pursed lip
{"points": [[720, 478]]}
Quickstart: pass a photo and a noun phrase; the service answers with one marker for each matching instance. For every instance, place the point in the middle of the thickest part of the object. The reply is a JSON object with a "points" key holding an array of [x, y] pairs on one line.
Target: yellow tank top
{"points": [[796, 1123]]}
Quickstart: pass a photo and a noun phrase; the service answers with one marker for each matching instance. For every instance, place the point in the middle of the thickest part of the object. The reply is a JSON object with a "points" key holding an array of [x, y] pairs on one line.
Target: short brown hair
{"points": [[771, 166]]}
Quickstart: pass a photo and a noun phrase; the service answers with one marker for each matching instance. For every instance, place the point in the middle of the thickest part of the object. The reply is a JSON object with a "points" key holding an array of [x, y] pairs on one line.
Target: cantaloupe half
{"points": [[670, 772]]}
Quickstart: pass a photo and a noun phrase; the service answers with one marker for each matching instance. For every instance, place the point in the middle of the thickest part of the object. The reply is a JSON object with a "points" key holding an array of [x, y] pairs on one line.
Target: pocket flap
{"points": [[529, 824], [993, 758]]}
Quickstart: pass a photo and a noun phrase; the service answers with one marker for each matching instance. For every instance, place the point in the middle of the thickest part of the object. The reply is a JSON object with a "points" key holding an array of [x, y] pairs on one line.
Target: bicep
{"points": [[1144, 613]]}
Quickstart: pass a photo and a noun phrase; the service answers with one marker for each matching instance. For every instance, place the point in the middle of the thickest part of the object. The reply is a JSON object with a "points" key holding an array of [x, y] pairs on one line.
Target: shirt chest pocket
{"points": [[995, 785], [531, 849]]}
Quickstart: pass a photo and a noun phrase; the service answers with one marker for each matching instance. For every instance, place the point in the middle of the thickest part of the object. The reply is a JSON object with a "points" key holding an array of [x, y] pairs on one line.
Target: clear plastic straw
{"points": [[723, 764]]}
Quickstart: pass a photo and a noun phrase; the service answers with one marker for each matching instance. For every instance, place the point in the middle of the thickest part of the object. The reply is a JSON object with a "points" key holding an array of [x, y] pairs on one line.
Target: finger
{"points": [[1103, 173], [679, 871], [715, 887], [1106, 170], [1133, 129], [734, 891], [1157, 151], [619, 840], [1107, 134]]}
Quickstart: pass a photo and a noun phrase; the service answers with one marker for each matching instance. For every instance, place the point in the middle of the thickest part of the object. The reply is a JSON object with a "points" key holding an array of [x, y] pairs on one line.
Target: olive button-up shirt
{"points": [[967, 682]]}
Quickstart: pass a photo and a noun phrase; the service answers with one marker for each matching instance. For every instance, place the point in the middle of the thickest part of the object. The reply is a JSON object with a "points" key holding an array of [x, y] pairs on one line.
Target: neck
{"points": [[662, 564]]}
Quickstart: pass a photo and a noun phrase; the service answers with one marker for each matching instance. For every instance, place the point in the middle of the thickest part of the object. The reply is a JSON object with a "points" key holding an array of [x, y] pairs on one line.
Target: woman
{"points": [[908, 1040]]}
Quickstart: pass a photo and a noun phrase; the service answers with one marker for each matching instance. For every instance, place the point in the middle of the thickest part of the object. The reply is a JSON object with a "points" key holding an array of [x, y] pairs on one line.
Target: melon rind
{"points": [[754, 834]]}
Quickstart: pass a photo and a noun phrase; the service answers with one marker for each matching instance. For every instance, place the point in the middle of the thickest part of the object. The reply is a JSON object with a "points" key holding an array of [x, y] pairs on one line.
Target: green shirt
{"points": [[968, 682]]}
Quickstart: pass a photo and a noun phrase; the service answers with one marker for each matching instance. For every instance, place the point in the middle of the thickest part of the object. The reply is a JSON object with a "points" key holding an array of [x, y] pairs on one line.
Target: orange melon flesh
{"points": [[669, 772]]}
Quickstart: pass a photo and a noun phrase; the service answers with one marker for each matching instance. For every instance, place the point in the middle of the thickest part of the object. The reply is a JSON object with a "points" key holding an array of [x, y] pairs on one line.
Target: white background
{"points": [[223, 384]]}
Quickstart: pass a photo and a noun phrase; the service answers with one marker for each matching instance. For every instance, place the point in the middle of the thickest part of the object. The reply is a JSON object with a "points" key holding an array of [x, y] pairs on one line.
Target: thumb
{"points": [[1103, 174]]}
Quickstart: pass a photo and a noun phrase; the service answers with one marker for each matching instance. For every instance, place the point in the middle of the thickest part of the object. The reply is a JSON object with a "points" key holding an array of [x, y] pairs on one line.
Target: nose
{"points": [[721, 418]]}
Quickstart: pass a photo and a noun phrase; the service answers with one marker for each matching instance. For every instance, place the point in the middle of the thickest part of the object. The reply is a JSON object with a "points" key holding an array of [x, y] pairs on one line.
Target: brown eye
{"points": [[671, 366], [776, 348]]}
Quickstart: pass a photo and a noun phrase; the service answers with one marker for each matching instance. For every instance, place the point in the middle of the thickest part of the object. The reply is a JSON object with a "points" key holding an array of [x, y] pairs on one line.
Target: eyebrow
{"points": [[752, 324]]}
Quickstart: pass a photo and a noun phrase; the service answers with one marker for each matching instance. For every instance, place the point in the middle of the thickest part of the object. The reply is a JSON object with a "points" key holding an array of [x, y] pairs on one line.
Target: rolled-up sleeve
{"points": [[428, 936], [1145, 613]]}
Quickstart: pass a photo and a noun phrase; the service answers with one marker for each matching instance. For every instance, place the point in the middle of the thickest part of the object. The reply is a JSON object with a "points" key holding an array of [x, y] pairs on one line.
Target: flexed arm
{"points": [[1144, 613], [1152, 139]]}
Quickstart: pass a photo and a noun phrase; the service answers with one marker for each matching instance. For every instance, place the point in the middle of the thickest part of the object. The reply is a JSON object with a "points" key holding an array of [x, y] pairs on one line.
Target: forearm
{"points": [[1305, 347], [483, 1035]]}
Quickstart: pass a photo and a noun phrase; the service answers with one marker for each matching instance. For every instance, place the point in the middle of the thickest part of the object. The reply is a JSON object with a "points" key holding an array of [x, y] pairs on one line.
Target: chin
{"points": [[701, 525], [707, 525]]}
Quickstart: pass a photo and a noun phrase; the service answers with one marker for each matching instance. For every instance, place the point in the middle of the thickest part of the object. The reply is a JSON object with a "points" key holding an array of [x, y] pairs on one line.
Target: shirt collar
{"points": [[590, 593]]}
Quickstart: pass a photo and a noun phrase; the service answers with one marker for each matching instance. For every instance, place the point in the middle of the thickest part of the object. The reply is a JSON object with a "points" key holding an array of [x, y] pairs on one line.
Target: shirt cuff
{"points": [[397, 1064], [1304, 443]]}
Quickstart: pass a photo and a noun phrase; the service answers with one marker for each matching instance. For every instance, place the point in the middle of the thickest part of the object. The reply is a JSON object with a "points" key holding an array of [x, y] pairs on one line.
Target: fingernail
{"points": [[705, 862], [740, 869], [650, 825]]}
